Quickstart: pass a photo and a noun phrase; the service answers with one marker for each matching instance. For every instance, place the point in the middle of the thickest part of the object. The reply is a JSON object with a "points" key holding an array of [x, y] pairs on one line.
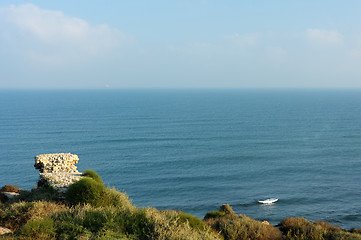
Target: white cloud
{"points": [[52, 37], [244, 40], [322, 36]]}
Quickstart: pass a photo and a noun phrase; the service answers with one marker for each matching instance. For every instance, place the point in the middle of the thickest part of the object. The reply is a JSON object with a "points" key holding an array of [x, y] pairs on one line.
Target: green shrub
{"points": [[194, 222], [39, 229], [70, 223], [114, 198], [86, 190], [224, 211], [92, 174], [214, 214], [94, 221]]}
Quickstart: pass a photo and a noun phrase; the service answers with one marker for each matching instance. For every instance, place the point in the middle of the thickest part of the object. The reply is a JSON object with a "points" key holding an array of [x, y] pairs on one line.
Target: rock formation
{"points": [[5, 231], [57, 170]]}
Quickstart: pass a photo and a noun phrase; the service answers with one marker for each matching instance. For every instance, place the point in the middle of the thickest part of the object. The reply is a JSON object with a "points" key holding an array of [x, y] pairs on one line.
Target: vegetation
{"points": [[300, 228], [92, 174], [233, 226], [86, 190], [92, 192], [38, 194], [17, 214], [92, 211]]}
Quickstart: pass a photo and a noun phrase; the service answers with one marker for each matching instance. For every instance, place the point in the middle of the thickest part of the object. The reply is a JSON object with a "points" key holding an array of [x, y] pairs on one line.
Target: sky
{"points": [[93, 44]]}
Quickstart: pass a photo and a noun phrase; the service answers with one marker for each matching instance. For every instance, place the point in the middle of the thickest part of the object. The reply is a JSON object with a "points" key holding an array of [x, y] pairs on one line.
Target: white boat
{"points": [[268, 201]]}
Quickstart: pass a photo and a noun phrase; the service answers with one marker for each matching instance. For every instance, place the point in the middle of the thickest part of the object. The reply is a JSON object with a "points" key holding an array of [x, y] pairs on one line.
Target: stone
{"points": [[57, 170], [48, 162], [10, 194], [5, 231]]}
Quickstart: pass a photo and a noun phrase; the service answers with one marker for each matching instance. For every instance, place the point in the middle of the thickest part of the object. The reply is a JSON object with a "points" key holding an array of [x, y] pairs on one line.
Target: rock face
{"points": [[57, 170]]}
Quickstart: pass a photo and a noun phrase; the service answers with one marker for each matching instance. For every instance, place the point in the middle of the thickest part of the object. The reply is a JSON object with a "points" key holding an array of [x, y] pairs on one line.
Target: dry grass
{"points": [[232, 227], [15, 215], [167, 225], [300, 228]]}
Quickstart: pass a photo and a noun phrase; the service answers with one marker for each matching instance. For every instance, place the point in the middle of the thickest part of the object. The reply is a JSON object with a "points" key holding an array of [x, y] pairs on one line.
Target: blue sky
{"points": [[180, 44]]}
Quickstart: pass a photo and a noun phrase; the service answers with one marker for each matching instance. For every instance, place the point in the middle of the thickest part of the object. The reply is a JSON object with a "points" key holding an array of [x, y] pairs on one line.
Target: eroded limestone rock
{"points": [[57, 170], [4, 230]]}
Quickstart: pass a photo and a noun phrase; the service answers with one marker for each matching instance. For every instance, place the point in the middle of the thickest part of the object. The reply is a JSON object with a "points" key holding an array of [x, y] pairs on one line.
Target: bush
{"points": [[10, 188], [194, 222], [39, 229], [70, 223], [114, 198], [150, 223], [92, 174], [300, 228], [15, 215], [232, 227], [86, 190], [224, 211], [214, 214]]}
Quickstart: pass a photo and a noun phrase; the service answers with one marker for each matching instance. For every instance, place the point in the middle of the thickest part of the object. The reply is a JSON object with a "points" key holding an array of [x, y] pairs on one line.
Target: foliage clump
{"points": [[86, 190], [150, 223], [15, 215], [43, 228], [233, 226], [300, 228], [194, 222], [89, 191], [92, 174], [224, 211]]}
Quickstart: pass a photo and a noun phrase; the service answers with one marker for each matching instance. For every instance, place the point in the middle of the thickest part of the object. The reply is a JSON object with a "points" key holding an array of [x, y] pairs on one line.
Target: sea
{"points": [[195, 149]]}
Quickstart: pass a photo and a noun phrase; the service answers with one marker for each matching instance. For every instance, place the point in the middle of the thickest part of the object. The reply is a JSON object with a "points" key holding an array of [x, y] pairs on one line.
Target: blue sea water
{"points": [[193, 150]]}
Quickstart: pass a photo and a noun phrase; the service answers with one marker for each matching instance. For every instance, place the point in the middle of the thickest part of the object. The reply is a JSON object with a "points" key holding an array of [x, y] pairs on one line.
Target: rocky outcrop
{"points": [[57, 170], [5, 231]]}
